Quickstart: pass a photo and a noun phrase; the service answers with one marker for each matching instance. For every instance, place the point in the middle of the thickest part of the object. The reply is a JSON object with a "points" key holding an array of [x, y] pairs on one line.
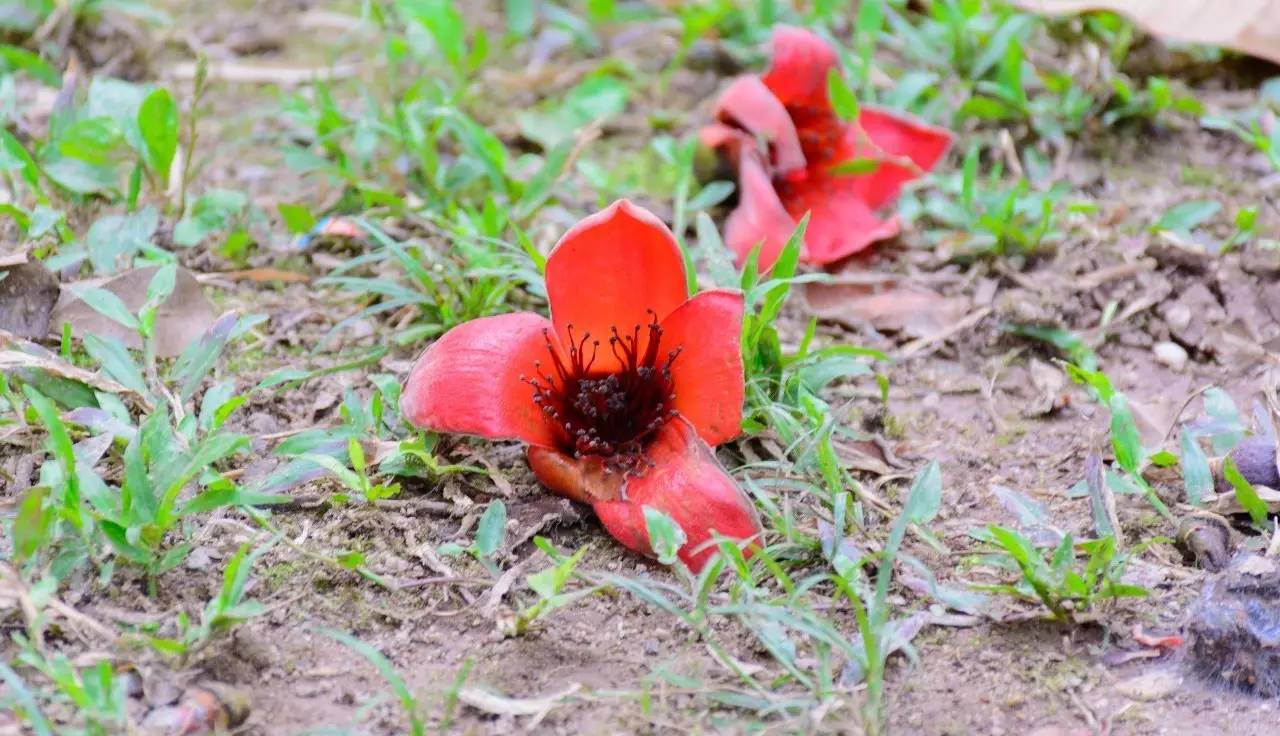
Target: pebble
{"points": [[199, 559], [1150, 686], [1171, 354]]}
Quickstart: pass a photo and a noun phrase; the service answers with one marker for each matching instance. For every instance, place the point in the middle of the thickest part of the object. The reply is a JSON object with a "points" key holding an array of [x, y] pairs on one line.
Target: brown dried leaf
{"points": [[13, 358], [913, 310], [1248, 26], [27, 294], [183, 317]]}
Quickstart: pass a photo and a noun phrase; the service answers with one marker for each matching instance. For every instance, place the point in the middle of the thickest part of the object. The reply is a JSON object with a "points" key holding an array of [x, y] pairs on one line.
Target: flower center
{"points": [[609, 414]]}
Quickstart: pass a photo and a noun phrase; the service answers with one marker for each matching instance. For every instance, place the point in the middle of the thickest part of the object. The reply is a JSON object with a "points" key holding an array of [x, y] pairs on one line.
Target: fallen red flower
{"points": [[620, 395], [808, 145]]}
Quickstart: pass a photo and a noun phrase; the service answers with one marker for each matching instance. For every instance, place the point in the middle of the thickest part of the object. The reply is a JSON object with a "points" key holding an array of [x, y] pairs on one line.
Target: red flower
{"points": [[620, 395], [807, 143]]}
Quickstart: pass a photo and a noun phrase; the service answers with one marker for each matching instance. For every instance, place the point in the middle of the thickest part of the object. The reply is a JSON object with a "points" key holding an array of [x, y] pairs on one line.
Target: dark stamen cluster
{"points": [[607, 414]]}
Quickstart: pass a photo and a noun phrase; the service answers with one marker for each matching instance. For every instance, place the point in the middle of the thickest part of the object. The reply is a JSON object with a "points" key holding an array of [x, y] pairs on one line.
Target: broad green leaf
{"points": [[1245, 494], [491, 532], [213, 211], [1187, 216], [665, 535], [158, 125]]}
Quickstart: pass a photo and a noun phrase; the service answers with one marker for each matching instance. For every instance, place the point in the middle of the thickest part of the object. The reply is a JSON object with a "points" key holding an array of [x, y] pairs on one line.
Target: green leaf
{"points": [[14, 59], [925, 497], [94, 141], [665, 535], [21, 694], [297, 218], [1125, 439], [445, 24], [115, 360], [31, 524], [388, 672], [213, 211], [1185, 217], [158, 125], [520, 17], [1196, 476], [108, 305], [113, 240], [1245, 494], [491, 532], [843, 100]]}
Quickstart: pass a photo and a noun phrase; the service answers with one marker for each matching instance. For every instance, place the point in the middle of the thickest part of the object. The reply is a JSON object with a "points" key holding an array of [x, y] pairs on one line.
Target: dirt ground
{"points": [[975, 400]]}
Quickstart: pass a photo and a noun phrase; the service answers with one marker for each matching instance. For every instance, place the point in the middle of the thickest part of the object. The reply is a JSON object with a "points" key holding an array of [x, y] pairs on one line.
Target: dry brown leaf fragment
{"points": [[1248, 26], [28, 292], [181, 319], [910, 309]]}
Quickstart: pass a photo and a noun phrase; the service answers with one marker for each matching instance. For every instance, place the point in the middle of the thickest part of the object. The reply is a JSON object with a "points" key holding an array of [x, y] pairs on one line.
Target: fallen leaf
{"points": [[183, 317], [27, 294], [913, 310], [1227, 503], [1249, 26], [257, 275], [20, 355], [1150, 686], [502, 705], [237, 72]]}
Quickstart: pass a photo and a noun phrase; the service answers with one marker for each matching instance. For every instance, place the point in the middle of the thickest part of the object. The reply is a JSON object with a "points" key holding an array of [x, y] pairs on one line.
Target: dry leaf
{"points": [[1150, 686], [1248, 26], [182, 318], [491, 702], [17, 359], [256, 274], [27, 295], [913, 310]]}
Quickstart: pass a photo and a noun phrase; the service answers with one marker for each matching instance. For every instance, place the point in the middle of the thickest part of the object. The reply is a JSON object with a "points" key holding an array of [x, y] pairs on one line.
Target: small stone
{"points": [[1150, 686], [1170, 354], [199, 559]]}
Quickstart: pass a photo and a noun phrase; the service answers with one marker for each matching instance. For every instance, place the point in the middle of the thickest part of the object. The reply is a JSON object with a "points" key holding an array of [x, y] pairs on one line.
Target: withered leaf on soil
{"points": [[910, 309], [183, 317], [1248, 26], [19, 355], [28, 292]]}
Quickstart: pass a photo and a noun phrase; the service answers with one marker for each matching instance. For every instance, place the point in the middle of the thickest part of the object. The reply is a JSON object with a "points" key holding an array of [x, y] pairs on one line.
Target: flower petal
{"points": [[468, 381], [610, 270], [840, 222], [707, 375], [897, 136], [798, 73], [688, 483], [748, 104], [760, 218]]}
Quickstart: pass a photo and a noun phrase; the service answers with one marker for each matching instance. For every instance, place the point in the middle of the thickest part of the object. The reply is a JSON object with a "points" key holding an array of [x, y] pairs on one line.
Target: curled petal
{"points": [[610, 270], [749, 104], [798, 73], [585, 480], [707, 375], [840, 221], [469, 380], [759, 219], [897, 136], [685, 481]]}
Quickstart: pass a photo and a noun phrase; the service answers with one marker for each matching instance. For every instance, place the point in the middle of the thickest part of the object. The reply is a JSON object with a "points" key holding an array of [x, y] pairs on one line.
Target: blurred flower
{"points": [[813, 161], [620, 395]]}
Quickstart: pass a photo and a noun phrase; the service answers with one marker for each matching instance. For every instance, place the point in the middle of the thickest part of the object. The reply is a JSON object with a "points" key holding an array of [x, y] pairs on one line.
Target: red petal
{"points": [[748, 103], [468, 381], [897, 136], [840, 222], [759, 217], [707, 375], [801, 60], [585, 480], [609, 270], [686, 482]]}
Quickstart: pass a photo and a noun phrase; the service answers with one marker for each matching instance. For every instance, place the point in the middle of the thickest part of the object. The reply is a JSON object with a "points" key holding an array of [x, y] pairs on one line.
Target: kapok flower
{"points": [[620, 395], [808, 146]]}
